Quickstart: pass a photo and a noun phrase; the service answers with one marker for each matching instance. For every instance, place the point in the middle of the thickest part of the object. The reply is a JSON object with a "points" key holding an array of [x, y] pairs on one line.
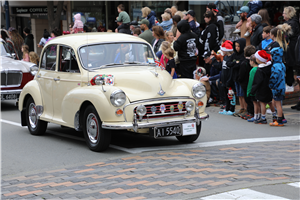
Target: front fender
{"points": [[31, 88], [95, 95]]}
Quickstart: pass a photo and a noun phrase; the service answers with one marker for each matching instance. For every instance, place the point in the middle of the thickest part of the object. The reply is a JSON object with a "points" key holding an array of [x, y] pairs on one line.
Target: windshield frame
{"points": [[105, 43]]}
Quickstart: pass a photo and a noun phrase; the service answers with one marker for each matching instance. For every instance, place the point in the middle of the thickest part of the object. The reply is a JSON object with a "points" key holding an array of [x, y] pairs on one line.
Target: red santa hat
{"points": [[227, 46], [263, 56]]}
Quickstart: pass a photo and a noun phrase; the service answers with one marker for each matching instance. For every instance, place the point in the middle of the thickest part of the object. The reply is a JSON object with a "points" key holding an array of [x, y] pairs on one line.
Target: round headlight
{"points": [[189, 106], [198, 90], [33, 70], [117, 98], [141, 110]]}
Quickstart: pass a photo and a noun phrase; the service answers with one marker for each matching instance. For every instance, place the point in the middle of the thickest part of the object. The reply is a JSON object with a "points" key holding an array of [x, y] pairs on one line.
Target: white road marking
{"points": [[297, 184], [188, 146], [242, 194]]}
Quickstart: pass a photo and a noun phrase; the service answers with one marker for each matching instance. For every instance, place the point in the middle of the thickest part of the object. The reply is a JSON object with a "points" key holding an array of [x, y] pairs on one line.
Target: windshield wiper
{"points": [[139, 63], [111, 64]]}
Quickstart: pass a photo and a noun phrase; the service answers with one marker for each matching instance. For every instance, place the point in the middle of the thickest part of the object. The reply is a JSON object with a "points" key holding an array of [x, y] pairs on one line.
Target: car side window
{"points": [[49, 58], [67, 60]]}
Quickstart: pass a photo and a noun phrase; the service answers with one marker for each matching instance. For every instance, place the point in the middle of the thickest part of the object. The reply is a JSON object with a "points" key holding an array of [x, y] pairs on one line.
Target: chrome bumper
{"points": [[134, 125], [11, 91]]}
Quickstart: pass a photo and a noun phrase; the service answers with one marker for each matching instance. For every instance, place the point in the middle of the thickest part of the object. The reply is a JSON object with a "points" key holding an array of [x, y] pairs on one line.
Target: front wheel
{"points": [[97, 139], [190, 138], [34, 124]]}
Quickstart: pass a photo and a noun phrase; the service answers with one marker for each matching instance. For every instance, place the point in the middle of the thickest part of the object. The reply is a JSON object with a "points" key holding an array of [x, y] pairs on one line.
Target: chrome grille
{"points": [[11, 78], [167, 113]]}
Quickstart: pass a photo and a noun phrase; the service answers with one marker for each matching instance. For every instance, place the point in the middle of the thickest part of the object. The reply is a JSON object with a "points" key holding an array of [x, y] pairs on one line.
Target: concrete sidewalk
{"points": [[180, 174]]}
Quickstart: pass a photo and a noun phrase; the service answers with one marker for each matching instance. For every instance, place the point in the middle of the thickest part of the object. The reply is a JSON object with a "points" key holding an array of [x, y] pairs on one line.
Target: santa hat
{"points": [[227, 46], [263, 56]]}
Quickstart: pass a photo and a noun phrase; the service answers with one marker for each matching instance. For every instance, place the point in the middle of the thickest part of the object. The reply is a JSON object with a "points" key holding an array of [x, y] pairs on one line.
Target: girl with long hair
{"points": [[25, 50]]}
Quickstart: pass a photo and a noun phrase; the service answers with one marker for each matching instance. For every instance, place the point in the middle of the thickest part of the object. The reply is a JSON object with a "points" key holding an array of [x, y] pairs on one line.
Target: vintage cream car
{"points": [[14, 73], [99, 82]]}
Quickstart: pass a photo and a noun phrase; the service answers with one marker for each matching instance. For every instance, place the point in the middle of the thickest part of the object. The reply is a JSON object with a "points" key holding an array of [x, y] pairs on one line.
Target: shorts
{"points": [[239, 90], [278, 98]]}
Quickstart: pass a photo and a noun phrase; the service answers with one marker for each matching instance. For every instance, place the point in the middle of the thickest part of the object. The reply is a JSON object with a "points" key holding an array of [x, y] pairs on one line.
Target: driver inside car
{"points": [[124, 54]]}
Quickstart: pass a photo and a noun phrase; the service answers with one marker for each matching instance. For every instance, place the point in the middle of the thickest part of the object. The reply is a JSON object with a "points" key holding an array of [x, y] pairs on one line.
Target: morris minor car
{"points": [[14, 74], [101, 82]]}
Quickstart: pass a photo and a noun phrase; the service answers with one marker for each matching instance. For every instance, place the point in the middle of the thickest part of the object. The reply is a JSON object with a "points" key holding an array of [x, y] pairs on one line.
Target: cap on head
{"points": [[191, 12], [243, 9], [207, 54], [144, 21]]}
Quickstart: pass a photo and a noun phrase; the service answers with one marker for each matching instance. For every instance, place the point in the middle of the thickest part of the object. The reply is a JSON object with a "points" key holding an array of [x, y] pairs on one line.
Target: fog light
{"points": [[119, 112], [141, 110], [200, 104], [189, 106]]}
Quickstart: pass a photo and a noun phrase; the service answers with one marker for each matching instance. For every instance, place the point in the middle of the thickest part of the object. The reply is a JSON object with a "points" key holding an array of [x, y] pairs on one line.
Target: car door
{"points": [[45, 78], [67, 78]]}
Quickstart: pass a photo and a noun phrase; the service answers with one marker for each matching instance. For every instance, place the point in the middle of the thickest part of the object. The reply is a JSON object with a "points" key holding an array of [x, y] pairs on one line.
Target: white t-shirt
{"points": [[43, 41]]}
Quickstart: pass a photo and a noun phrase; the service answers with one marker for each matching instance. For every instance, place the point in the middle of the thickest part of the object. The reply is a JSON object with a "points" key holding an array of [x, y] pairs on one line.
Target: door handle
{"points": [[38, 76], [57, 79]]}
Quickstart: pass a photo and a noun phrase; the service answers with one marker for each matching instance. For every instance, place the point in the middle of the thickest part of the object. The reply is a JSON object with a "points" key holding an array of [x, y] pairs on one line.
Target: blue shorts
{"points": [[278, 98], [239, 90]]}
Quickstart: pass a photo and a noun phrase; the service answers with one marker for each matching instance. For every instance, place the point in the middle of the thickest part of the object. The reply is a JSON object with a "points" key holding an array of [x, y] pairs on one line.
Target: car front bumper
{"points": [[10, 94], [160, 123]]}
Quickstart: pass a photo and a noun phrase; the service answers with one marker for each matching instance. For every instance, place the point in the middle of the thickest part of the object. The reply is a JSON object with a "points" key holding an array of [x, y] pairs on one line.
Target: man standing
{"points": [[147, 34], [187, 44], [220, 20], [190, 16], [28, 39], [256, 36], [243, 28]]}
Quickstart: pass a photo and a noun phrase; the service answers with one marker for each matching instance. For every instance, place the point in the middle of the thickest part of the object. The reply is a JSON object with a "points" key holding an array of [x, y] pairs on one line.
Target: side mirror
{"points": [[13, 55]]}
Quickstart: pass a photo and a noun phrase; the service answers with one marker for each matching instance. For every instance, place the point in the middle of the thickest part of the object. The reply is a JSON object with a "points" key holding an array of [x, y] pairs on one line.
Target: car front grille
{"points": [[167, 113], [11, 78]]}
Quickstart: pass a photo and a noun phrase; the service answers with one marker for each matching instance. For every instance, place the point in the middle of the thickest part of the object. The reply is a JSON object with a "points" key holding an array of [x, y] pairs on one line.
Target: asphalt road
{"points": [[23, 153]]}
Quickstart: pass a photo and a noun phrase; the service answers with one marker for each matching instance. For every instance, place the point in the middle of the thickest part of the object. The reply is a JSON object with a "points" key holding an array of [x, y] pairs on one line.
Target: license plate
{"points": [[189, 129], [166, 131], [9, 96]]}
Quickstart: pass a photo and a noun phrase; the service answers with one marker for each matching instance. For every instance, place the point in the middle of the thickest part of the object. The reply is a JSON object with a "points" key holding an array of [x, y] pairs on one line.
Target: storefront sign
{"points": [[30, 10]]}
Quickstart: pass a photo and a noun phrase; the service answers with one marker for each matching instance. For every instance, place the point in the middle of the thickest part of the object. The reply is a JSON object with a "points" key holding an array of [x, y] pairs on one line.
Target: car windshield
{"points": [[114, 55], [3, 49]]}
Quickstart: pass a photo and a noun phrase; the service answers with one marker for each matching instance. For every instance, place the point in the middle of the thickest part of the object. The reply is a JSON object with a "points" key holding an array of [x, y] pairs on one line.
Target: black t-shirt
{"points": [[170, 65]]}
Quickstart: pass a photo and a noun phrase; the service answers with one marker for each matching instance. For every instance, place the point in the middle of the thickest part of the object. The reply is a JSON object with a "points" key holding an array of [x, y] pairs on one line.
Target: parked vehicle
{"points": [[14, 74], [99, 82]]}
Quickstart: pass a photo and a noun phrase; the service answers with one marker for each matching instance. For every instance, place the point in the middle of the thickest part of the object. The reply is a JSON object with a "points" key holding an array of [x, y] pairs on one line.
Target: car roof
{"points": [[80, 39]]}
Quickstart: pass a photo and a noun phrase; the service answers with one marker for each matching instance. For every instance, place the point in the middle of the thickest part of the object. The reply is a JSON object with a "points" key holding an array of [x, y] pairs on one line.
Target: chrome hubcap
{"points": [[32, 115], [92, 127]]}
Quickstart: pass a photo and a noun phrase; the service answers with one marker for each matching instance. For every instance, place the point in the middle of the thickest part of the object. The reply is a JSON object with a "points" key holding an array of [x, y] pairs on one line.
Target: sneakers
{"points": [[261, 121], [246, 116], [268, 111], [276, 124], [223, 112], [247, 34], [238, 113], [284, 121], [252, 119], [236, 31], [274, 118], [296, 107], [229, 113]]}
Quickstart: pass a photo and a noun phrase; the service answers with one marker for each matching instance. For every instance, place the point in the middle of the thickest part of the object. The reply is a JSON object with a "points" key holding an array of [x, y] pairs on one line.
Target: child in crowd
{"points": [[34, 58], [257, 112], [234, 65], [243, 80], [136, 32], [227, 50], [163, 59], [260, 86], [170, 66], [266, 38], [25, 50], [277, 83], [78, 25], [123, 19]]}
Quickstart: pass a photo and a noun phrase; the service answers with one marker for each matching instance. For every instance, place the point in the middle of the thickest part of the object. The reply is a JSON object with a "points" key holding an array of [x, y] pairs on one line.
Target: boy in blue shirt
{"points": [[266, 38]]}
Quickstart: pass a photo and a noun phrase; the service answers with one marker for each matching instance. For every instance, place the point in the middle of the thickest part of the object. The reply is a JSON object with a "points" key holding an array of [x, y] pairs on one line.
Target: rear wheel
{"points": [[35, 125], [190, 138], [97, 139]]}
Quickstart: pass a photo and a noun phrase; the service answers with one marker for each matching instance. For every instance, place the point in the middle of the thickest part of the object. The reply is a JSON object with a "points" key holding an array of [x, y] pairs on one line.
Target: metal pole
{"points": [[7, 17]]}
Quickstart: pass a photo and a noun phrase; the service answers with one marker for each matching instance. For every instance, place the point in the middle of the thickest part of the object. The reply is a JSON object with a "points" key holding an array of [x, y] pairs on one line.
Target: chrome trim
{"points": [[9, 71], [114, 93], [11, 91], [199, 83], [148, 125], [150, 100]]}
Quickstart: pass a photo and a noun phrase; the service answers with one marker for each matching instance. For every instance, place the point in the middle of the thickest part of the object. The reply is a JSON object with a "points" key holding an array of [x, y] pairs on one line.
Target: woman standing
{"points": [[159, 36], [290, 17], [18, 42], [209, 38], [150, 16]]}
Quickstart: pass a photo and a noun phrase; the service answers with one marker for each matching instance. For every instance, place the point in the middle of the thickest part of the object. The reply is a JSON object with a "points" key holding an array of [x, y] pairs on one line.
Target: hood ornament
{"points": [[161, 92]]}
